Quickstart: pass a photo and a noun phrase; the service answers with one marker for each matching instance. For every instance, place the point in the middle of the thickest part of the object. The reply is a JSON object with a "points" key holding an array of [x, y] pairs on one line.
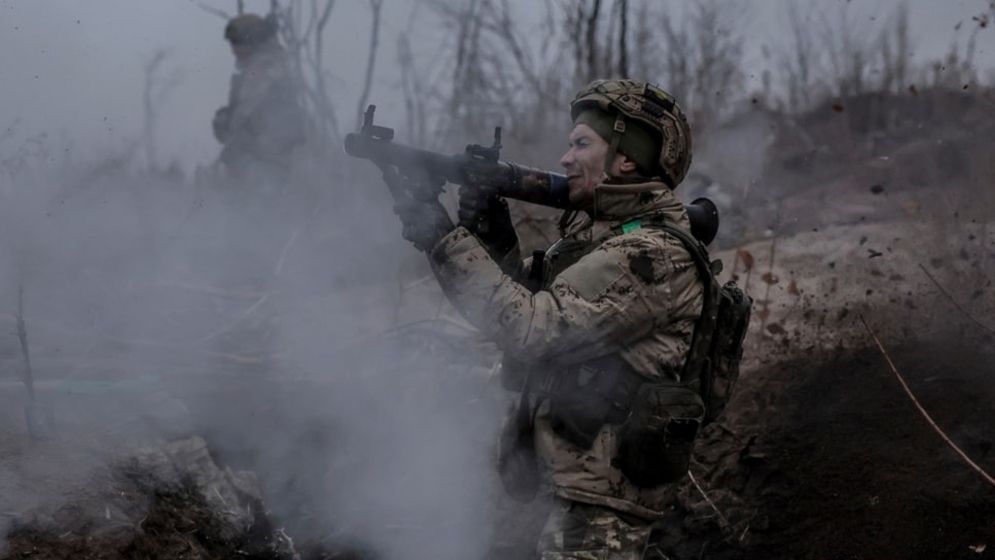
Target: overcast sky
{"points": [[73, 68]]}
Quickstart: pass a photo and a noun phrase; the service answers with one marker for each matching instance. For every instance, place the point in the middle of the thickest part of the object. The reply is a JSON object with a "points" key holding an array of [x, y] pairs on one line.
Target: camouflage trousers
{"points": [[576, 531]]}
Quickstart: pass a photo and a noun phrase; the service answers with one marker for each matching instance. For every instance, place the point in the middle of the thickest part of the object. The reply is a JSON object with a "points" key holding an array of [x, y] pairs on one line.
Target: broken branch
{"points": [[922, 410]]}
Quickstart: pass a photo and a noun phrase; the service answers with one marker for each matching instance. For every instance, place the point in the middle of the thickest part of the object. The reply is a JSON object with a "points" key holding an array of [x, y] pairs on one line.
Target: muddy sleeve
{"points": [[610, 297]]}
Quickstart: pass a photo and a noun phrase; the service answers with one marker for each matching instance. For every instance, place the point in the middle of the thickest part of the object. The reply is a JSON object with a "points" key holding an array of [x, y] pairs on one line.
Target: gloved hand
{"points": [[221, 123], [487, 216], [424, 222]]}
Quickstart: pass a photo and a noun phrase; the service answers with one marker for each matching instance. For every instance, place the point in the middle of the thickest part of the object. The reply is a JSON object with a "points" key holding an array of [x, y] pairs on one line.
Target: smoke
{"points": [[284, 321], [273, 323]]}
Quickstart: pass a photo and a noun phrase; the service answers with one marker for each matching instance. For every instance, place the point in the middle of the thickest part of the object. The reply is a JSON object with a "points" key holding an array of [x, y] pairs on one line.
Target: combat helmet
{"points": [[250, 29], [646, 106]]}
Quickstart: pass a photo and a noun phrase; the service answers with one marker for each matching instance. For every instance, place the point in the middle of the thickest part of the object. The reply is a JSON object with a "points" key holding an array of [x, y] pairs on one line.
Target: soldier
{"points": [[263, 122], [601, 335]]}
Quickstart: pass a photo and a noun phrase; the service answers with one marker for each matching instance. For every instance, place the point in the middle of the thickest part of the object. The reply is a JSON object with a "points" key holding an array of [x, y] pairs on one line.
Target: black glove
{"points": [[424, 222], [487, 216], [221, 123]]}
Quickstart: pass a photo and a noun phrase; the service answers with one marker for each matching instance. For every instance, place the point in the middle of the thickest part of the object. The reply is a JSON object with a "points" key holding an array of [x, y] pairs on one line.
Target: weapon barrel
{"points": [[404, 157], [511, 180]]}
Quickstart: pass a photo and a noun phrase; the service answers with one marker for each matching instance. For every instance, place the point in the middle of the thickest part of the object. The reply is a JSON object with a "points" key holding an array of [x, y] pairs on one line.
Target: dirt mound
{"points": [[827, 458], [862, 473], [168, 501]]}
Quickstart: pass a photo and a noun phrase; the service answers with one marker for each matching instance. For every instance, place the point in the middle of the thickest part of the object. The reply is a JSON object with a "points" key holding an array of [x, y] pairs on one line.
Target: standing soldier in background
{"points": [[597, 330], [263, 122]]}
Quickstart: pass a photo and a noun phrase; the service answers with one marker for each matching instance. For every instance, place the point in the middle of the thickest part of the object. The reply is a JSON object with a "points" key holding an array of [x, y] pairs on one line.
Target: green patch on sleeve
{"points": [[631, 226]]}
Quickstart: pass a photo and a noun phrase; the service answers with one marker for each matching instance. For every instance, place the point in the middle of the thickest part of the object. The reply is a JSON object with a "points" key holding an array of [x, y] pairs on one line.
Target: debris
{"points": [[747, 259], [793, 288], [877, 189]]}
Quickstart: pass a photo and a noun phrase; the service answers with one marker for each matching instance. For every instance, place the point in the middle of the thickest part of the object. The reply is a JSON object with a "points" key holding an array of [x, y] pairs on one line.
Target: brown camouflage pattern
{"points": [[636, 295]]}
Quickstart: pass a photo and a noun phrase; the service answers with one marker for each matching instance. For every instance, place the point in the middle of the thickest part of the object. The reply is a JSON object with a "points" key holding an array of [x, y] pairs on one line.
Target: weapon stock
{"points": [[480, 166]]}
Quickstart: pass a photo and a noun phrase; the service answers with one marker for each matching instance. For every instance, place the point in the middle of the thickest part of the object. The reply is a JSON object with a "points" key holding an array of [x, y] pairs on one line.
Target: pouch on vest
{"points": [[585, 398], [656, 441], [717, 343]]}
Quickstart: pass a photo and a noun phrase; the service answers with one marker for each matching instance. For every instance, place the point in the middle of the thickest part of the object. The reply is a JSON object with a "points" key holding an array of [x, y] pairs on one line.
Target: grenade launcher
{"points": [[480, 166]]}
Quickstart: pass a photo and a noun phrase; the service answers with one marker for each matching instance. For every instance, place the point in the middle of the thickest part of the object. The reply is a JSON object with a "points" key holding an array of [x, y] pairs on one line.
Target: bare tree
{"points": [[623, 37], [591, 40], [703, 61], [371, 60], [848, 41], [799, 61], [414, 91], [156, 88], [302, 28], [895, 53]]}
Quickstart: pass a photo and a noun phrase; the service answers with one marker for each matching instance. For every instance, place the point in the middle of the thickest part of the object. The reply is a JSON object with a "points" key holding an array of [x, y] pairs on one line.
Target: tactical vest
{"points": [[659, 421]]}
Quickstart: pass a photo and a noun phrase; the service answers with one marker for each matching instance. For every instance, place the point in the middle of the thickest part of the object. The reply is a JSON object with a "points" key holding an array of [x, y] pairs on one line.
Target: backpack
{"points": [[717, 343]]}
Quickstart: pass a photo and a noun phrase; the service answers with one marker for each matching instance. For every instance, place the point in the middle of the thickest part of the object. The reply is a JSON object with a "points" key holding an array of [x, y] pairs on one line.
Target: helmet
{"points": [[649, 107], [250, 29]]}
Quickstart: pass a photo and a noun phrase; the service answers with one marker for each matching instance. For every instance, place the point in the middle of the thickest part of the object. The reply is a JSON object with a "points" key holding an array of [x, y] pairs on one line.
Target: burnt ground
{"points": [[847, 468]]}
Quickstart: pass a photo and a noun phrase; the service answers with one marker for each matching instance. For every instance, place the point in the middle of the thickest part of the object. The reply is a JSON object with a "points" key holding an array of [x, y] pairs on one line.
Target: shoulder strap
{"points": [[705, 325]]}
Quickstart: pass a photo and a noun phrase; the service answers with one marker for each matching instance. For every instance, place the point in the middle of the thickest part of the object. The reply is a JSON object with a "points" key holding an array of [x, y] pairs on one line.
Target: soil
{"points": [[847, 468]]}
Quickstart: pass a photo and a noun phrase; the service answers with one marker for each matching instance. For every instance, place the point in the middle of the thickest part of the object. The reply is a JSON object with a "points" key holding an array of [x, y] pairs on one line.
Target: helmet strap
{"points": [[618, 129]]}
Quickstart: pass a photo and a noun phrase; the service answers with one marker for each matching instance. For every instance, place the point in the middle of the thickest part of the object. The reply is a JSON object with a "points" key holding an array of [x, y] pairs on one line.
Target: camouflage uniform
{"points": [[580, 531], [605, 292]]}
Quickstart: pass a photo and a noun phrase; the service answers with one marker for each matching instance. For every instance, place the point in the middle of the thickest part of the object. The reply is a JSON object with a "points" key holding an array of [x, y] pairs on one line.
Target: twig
{"points": [[211, 290], [432, 321], [245, 314], [211, 9], [770, 269], [320, 82], [22, 336], [293, 238], [953, 301], [286, 249], [725, 522], [922, 410]]}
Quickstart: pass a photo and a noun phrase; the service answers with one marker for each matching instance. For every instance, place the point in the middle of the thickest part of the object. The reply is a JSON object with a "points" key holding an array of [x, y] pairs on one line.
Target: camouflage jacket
{"points": [[630, 291]]}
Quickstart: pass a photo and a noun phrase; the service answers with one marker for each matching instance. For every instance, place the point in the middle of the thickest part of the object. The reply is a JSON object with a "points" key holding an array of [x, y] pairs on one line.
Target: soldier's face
{"points": [[584, 163]]}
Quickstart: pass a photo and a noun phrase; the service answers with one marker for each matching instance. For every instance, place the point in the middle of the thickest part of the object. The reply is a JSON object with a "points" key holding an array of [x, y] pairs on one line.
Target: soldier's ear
{"points": [[626, 166]]}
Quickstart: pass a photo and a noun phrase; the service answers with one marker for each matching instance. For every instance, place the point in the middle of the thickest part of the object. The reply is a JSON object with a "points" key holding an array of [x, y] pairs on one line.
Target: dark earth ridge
{"points": [[861, 474]]}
